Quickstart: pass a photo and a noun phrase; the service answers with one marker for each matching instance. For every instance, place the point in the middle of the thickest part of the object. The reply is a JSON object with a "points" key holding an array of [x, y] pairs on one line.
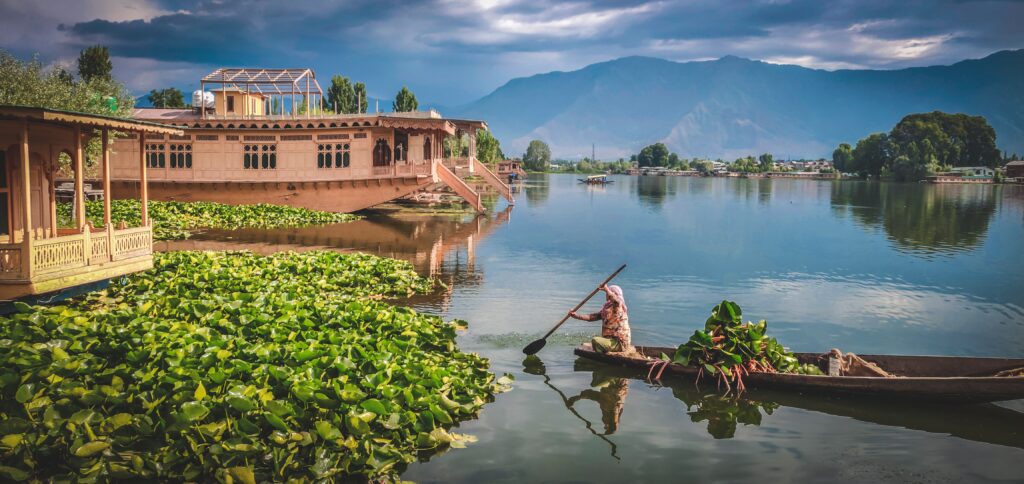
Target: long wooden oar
{"points": [[536, 346]]}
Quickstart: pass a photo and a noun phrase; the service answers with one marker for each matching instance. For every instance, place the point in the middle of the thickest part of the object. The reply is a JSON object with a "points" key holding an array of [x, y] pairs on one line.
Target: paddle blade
{"points": [[534, 347]]}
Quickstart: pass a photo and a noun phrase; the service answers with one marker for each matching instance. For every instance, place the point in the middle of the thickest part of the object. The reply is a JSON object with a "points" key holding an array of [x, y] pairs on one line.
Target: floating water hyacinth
{"points": [[238, 368], [174, 220]]}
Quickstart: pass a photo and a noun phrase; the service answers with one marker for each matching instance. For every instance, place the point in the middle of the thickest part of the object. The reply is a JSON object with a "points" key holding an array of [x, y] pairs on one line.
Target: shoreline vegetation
{"points": [[176, 220], [235, 367]]}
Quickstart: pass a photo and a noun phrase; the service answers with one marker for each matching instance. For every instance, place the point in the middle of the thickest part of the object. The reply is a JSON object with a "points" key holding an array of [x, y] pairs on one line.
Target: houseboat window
{"points": [[155, 157], [181, 156], [401, 146], [257, 156], [381, 153], [329, 155]]}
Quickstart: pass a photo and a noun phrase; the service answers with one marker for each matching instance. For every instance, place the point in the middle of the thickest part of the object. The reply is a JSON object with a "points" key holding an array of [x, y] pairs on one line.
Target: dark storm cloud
{"points": [[453, 51]]}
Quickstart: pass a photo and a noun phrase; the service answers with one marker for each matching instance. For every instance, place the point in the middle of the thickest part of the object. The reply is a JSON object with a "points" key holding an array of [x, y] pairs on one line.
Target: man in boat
{"points": [[614, 317]]}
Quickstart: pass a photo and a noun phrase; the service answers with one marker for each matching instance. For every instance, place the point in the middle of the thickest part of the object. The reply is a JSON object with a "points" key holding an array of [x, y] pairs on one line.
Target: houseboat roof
{"points": [[190, 118], [92, 120], [265, 79]]}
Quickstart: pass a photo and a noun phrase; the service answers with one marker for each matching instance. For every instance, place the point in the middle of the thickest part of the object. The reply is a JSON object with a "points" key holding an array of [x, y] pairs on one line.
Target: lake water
{"points": [[862, 266]]}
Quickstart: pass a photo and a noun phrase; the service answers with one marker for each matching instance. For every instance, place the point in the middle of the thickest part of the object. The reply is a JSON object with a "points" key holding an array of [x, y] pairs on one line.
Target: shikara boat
{"points": [[596, 180], [931, 378]]}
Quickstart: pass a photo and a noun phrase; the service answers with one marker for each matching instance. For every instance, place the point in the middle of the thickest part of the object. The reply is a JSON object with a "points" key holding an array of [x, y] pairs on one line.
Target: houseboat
{"points": [[38, 257], [965, 174], [259, 136], [511, 167]]}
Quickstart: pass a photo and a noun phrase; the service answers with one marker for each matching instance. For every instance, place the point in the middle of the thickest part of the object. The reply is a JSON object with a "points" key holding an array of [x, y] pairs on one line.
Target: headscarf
{"points": [[615, 298]]}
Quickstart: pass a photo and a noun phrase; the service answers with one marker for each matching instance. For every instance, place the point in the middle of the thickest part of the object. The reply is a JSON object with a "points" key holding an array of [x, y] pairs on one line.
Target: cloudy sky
{"points": [[453, 51]]}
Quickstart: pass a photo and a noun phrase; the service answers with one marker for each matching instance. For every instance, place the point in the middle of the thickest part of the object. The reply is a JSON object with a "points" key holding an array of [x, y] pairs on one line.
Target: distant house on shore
{"points": [[1015, 169]]}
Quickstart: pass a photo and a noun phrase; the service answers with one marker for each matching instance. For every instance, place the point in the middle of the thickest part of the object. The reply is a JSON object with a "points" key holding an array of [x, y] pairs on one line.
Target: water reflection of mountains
{"points": [[987, 423], [920, 218]]}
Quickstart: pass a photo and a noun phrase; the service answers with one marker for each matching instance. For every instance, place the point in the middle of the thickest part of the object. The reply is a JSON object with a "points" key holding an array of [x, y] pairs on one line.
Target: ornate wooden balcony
{"points": [[69, 260], [38, 256]]}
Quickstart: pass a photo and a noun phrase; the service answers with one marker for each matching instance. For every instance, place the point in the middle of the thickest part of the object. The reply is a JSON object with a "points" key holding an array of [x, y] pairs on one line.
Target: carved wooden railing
{"points": [[99, 252], [58, 253], [132, 242], [10, 261]]}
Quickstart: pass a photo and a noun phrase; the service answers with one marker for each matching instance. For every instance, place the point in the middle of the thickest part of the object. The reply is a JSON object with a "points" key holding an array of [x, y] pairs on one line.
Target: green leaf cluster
{"points": [[174, 220], [234, 367], [727, 347]]}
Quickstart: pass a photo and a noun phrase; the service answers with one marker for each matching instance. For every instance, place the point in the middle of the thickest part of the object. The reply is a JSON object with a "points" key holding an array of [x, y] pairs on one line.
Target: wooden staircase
{"points": [[459, 186], [493, 180]]}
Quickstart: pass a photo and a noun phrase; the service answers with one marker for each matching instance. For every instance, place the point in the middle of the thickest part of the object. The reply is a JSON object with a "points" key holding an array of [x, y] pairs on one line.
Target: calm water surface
{"points": [[865, 267]]}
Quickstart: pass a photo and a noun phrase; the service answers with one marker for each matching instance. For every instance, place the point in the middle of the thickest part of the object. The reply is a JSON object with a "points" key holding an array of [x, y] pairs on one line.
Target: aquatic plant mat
{"points": [[175, 220], [233, 367]]}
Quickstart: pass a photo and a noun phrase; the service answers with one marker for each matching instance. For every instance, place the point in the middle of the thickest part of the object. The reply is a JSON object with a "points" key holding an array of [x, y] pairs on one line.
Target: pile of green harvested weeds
{"points": [[174, 220], [236, 368]]}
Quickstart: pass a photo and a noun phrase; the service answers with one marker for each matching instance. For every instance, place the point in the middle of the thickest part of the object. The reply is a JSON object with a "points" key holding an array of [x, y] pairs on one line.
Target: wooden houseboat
{"points": [[511, 167], [257, 139], [36, 255]]}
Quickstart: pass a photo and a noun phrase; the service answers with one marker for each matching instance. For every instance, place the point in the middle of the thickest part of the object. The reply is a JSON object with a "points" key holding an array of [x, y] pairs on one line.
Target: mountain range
{"points": [[734, 107]]}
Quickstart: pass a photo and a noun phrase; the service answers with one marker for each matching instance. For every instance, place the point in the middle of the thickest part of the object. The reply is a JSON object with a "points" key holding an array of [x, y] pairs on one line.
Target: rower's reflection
{"points": [[535, 366], [721, 412], [610, 395]]}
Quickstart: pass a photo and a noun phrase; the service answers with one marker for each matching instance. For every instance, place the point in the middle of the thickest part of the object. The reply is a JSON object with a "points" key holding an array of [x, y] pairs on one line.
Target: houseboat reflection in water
{"points": [[442, 246]]}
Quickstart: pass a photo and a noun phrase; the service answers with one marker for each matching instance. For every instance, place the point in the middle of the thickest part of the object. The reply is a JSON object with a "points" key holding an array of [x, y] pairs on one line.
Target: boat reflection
{"points": [[611, 409], [985, 423], [441, 246]]}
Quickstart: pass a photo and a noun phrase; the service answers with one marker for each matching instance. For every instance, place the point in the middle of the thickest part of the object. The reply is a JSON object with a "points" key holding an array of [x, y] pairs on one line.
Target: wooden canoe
{"points": [[932, 378]]}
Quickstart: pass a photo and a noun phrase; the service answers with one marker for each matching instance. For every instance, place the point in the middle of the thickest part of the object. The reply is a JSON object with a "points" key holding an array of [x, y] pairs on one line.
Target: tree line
{"points": [[920, 145], [93, 91]]}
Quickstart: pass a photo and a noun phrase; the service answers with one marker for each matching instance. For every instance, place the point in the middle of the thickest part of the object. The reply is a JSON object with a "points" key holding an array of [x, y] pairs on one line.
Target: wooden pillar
{"points": [[79, 180], [472, 150], [307, 97], [143, 181], [53, 202], [202, 100], [108, 223], [26, 209]]}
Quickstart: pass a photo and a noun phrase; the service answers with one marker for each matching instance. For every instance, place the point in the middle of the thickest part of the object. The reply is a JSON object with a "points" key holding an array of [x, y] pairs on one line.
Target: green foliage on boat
{"points": [[234, 367], [728, 348], [175, 220]]}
